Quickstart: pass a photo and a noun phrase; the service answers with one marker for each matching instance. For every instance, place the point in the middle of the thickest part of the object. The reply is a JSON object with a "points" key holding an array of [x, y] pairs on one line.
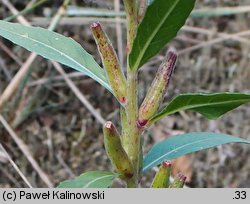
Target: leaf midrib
{"points": [[95, 180], [185, 145], [174, 150], [163, 114], [56, 50], [153, 35]]}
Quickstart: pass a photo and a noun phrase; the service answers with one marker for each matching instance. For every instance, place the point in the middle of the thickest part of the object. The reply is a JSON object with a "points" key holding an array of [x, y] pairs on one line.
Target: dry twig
{"points": [[25, 150], [15, 166]]}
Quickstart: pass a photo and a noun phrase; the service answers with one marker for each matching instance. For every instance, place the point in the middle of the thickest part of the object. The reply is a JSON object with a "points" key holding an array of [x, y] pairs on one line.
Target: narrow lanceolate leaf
{"points": [[162, 20], [54, 46], [92, 179], [210, 105], [180, 145]]}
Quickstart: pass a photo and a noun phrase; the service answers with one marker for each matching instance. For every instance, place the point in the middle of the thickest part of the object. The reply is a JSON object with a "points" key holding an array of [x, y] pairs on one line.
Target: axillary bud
{"points": [[116, 152], [161, 179], [111, 64], [157, 89]]}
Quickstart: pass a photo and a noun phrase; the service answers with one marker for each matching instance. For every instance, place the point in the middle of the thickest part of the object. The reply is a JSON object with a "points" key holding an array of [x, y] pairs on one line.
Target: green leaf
{"points": [[54, 46], [180, 145], [92, 179], [210, 105], [162, 20]]}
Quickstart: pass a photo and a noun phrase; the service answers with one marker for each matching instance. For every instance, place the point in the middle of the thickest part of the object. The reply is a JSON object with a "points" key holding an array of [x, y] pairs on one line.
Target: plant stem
{"points": [[131, 15], [125, 127], [130, 132], [132, 140], [142, 4], [131, 183]]}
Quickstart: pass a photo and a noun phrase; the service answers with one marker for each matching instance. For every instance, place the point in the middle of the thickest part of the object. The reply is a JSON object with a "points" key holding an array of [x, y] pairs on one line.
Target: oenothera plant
{"points": [[149, 28]]}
